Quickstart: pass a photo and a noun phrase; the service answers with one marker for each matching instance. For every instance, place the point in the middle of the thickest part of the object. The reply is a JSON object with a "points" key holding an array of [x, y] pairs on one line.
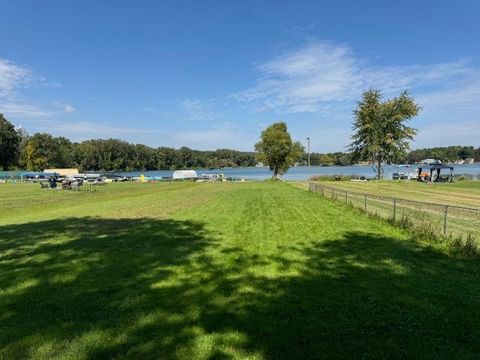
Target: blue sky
{"points": [[213, 74]]}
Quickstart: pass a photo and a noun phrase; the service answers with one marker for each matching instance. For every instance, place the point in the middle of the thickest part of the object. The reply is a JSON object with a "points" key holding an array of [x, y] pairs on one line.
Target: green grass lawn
{"points": [[462, 193], [221, 271]]}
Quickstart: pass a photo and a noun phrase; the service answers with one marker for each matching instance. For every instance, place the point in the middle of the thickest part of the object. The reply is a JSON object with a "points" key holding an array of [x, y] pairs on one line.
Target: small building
{"points": [[63, 172], [185, 175]]}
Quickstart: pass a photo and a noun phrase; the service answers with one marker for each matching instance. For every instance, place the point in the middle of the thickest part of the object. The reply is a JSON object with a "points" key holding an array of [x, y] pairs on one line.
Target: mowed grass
{"points": [[223, 271], [462, 193]]}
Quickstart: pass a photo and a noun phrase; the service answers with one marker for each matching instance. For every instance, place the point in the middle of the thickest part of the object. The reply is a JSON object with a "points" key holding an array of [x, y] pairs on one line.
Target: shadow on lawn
{"points": [[95, 288]]}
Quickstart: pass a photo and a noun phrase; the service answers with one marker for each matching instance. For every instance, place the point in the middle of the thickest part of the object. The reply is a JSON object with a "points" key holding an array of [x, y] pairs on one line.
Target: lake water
{"points": [[305, 172], [295, 173]]}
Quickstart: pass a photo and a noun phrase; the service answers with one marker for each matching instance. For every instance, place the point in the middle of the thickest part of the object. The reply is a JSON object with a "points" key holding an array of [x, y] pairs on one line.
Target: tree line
{"points": [[446, 154], [18, 150]]}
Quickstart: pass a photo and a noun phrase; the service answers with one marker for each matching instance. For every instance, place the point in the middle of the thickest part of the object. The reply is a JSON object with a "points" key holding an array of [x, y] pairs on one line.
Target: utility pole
{"points": [[308, 152]]}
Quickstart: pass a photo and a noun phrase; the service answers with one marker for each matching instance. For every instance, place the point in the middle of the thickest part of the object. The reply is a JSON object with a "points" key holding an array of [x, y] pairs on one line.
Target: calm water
{"points": [[304, 173], [295, 173]]}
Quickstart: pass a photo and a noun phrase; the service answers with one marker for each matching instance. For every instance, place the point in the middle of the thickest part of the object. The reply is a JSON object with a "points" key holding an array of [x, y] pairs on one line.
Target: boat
{"points": [[185, 175], [404, 172]]}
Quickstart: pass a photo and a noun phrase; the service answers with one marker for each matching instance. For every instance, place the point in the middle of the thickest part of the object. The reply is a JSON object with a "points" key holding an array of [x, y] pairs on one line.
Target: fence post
{"points": [[445, 216], [323, 191], [394, 209], [365, 202], [333, 194], [346, 197]]}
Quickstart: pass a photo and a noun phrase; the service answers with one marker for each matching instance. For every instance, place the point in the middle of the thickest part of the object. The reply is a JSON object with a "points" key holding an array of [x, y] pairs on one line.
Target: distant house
{"points": [[62, 172], [185, 175], [466, 161]]}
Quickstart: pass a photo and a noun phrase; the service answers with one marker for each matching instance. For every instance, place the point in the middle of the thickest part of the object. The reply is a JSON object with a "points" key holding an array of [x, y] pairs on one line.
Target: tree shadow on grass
{"points": [[91, 288], [68, 278]]}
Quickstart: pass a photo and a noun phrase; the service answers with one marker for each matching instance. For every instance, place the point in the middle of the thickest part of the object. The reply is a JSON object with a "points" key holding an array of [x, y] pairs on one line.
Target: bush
{"points": [[405, 222], [467, 248]]}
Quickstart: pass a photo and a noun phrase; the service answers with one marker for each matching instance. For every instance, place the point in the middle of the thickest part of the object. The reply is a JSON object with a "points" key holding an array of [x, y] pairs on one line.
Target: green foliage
{"points": [[445, 154], [9, 143], [277, 150], [467, 248], [381, 134], [42, 151]]}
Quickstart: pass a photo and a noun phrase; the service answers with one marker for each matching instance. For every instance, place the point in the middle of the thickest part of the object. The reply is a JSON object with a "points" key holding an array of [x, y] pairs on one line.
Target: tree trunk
{"points": [[379, 168]]}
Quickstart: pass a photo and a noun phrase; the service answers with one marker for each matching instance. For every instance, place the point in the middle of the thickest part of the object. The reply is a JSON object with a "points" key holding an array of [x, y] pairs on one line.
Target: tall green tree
{"points": [[277, 150], [381, 131], [44, 151], [9, 144]]}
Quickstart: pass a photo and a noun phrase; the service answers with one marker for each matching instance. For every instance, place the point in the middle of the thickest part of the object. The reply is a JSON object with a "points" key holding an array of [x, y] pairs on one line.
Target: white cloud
{"points": [[301, 29], [96, 129], [450, 133], [12, 77], [198, 110], [325, 74], [19, 109], [69, 108], [211, 139]]}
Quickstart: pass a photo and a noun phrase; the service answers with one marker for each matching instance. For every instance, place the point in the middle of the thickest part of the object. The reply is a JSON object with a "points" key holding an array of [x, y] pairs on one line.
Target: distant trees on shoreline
{"points": [[9, 144], [43, 150]]}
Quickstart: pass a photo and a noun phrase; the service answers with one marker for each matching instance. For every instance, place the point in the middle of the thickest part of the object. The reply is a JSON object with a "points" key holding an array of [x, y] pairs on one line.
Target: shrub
{"points": [[405, 222], [467, 248]]}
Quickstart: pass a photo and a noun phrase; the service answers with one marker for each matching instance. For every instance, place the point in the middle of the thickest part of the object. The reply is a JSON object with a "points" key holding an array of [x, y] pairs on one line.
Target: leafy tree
{"points": [[381, 133], [9, 143], [447, 154], [24, 137], [44, 151], [477, 155], [466, 152], [277, 150], [326, 160], [186, 156]]}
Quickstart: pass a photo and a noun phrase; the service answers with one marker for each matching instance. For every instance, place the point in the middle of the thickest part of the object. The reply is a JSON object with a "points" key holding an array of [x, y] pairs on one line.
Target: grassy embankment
{"points": [[461, 223], [203, 271], [463, 193]]}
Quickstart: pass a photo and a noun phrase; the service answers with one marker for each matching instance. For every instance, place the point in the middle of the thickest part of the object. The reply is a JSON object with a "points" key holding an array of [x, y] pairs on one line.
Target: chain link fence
{"points": [[447, 220]]}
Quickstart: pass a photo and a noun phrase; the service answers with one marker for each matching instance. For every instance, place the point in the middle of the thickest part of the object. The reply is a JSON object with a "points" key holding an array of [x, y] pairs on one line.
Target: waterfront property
{"points": [[222, 270]]}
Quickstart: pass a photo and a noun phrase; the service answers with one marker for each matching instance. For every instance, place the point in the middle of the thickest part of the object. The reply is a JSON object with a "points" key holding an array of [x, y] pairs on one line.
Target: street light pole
{"points": [[308, 152]]}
